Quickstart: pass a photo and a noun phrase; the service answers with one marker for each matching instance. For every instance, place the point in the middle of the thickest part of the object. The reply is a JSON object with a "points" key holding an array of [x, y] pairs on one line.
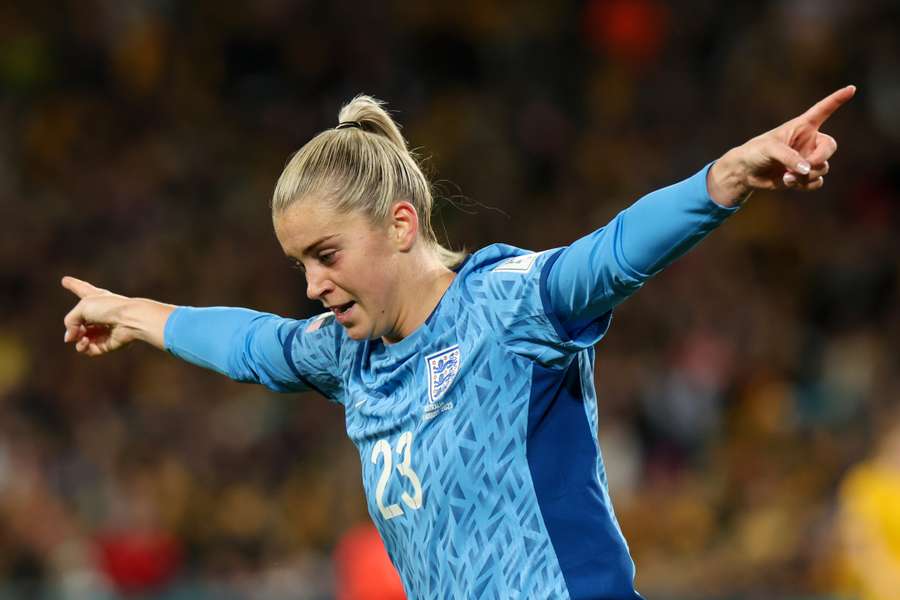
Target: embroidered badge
{"points": [[442, 369]]}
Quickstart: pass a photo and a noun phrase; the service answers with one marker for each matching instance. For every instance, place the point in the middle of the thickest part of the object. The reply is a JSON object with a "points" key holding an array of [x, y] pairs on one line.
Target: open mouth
{"points": [[342, 308]]}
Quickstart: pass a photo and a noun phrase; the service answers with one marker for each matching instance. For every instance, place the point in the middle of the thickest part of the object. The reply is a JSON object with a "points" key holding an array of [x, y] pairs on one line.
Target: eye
{"points": [[296, 264], [327, 258]]}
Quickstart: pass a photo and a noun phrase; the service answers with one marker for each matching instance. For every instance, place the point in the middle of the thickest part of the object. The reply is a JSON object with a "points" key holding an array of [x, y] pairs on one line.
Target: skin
{"points": [[794, 155], [391, 274], [397, 280]]}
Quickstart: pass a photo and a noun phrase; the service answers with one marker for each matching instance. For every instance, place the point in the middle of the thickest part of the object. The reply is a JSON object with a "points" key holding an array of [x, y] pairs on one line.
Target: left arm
{"points": [[594, 274]]}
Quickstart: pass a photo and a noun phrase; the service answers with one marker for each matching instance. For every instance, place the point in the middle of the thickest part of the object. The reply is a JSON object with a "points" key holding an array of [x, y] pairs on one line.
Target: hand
{"points": [[793, 155], [94, 324]]}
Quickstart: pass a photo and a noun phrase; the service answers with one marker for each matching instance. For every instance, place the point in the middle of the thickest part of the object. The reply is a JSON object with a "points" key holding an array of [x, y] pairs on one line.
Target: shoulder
{"points": [[324, 322], [504, 288], [322, 333], [503, 258], [320, 353], [505, 278]]}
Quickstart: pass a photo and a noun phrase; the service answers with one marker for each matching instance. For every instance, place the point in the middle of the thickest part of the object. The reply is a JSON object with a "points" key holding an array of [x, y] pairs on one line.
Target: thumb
{"points": [[788, 157], [80, 288]]}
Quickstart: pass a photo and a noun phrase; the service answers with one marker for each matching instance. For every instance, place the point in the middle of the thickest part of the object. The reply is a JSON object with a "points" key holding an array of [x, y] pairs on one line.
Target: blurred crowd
{"points": [[748, 395]]}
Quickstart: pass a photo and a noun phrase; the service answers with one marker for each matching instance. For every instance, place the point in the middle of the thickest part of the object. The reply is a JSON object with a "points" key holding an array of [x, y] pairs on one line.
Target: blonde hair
{"points": [[365, 166]]}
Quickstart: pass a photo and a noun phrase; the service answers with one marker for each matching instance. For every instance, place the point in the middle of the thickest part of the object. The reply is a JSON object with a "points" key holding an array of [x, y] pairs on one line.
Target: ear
{"points": [[404, 225]]}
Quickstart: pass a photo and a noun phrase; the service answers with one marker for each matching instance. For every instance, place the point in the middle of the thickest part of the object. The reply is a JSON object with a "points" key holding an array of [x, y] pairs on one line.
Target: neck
{"points": [[426, 283]]}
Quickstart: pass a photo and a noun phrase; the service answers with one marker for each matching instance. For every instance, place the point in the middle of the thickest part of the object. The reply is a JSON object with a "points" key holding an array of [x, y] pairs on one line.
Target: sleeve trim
{"points": [[167, 330]]}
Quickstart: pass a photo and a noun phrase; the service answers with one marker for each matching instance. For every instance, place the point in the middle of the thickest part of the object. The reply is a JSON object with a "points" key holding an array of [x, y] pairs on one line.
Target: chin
{"points": [[355, 332]]}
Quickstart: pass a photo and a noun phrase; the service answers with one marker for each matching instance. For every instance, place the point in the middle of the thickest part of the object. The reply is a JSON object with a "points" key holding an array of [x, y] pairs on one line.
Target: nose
{"points": [[317, 286]]}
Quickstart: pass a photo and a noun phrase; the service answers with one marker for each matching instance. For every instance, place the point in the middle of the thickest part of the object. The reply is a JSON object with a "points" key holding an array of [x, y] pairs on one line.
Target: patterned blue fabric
{"points": [[479, 532], [478, 432]]}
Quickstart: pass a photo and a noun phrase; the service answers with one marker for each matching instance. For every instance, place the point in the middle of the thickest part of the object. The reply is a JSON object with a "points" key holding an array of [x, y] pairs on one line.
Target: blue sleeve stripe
{"points": [[585, 331], [545, 297], [286, 347], [619, 253]]}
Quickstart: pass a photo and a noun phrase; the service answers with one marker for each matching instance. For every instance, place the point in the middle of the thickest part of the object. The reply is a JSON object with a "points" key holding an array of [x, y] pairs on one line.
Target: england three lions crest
{"points": [[442, 369]]}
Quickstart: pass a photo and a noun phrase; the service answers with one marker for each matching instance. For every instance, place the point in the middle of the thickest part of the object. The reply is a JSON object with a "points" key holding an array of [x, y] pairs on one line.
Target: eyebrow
{"points": [[311, 247]]}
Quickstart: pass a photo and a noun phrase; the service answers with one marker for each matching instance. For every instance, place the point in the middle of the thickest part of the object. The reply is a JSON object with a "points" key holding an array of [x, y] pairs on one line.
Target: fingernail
{"points": [[789, 179], [66, 336], [803, 167]]}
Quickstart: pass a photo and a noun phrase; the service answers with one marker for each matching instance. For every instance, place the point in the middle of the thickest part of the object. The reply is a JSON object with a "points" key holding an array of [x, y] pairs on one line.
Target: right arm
{"points": [[594, 274], [243, 344]]}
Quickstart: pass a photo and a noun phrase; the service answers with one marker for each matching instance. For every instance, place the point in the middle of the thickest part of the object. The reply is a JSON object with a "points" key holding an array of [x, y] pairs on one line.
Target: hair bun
{"points": [[369, 114]]}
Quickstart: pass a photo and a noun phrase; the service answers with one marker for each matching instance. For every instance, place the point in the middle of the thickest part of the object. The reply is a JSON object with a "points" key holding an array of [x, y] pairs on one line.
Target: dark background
{"points": [[139, 146]]}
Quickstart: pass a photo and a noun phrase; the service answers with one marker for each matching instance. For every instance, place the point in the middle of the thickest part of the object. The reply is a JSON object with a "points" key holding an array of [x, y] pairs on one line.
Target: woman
{"points": [[467, 383]]}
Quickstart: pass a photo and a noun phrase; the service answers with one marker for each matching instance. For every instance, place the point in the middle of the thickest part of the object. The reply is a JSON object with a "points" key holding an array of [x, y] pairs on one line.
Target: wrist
{"points": [[725, 181], [145, 320]]}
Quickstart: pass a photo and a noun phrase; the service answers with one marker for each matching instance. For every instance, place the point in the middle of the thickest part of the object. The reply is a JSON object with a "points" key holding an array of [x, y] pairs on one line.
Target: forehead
{"points": [[303, 223]]}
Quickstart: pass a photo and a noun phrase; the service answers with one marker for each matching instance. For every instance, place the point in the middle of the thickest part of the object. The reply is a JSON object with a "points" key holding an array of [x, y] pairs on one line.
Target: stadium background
{"points": [[740, 391]]}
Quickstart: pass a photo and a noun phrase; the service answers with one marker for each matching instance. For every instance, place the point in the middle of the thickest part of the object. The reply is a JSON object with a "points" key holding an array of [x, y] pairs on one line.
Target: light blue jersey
{"points": [[478, 432]]}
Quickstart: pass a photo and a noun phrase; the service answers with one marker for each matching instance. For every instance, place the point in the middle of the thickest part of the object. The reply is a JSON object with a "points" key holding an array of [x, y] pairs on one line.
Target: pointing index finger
{"points": [[821, 110], [78, 287]]}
